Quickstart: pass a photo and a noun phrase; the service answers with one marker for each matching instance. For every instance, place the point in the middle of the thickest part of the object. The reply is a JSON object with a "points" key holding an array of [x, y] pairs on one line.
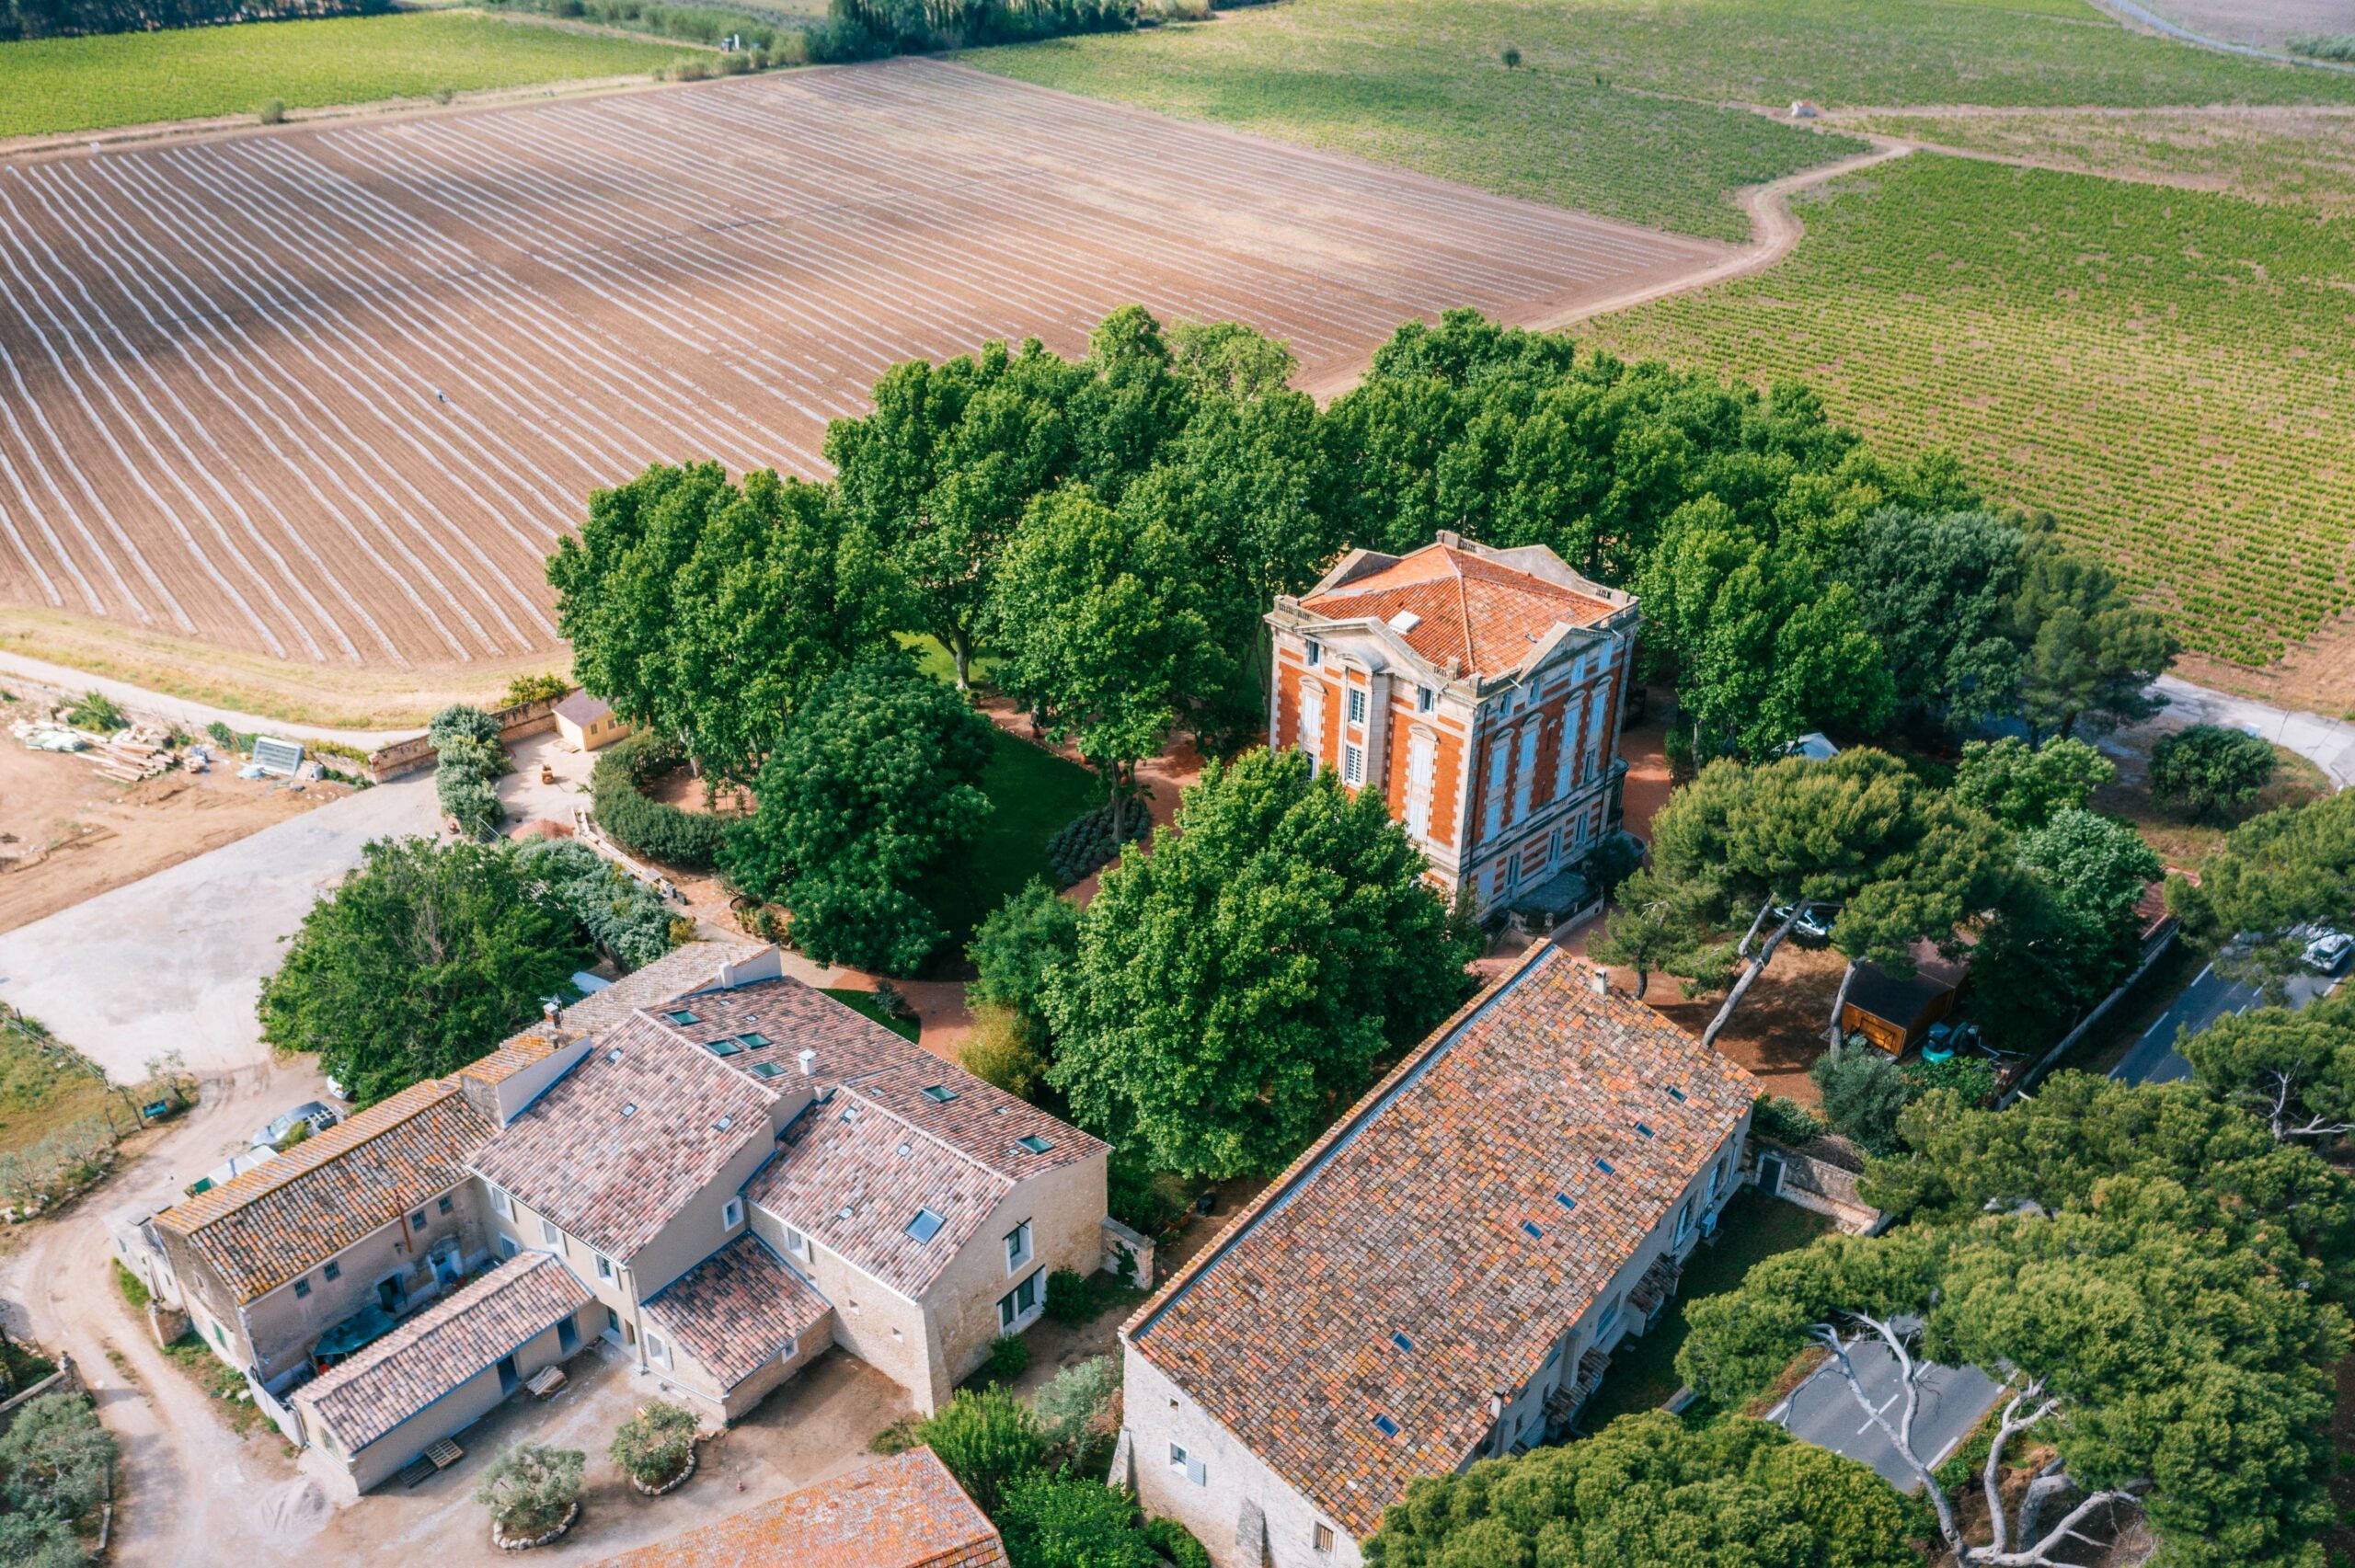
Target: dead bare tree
{"points": [[2279, 1114], [2014, 1542]]}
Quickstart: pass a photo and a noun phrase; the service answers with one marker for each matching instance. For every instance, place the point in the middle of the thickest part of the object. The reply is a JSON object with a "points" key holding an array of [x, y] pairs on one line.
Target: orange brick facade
{"points": [[1503, 774]]}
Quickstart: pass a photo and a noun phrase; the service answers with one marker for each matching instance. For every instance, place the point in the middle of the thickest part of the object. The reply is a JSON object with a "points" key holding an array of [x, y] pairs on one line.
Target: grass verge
{"points": [[863, 1003], [1643, 1372], [89, 84], [2165, 370], [40, 1094], [219, 1381], [1032, 794]]}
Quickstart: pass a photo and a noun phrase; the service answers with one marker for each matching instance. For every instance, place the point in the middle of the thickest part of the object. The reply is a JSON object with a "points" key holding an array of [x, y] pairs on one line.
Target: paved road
{"points": [[185, 710], [2151, 19], [2153, 1059], [174, 961], [1823, 1411], [2329, 743]]}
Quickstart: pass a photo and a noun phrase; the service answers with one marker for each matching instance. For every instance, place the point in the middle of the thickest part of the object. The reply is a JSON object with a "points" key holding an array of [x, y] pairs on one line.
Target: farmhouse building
{"points": [[1479, 691], [710, 1166], [1441, 1278], [903, 1511]]}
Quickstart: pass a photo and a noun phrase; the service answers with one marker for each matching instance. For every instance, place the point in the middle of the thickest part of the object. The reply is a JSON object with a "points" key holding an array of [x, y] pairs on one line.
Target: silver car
{"points": [[320, 1115]]}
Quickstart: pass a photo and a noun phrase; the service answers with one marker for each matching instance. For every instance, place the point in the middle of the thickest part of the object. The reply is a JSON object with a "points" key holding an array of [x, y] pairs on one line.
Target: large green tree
{"points": [[2296, 1069], [1735, 1492], [2022, 785], [2068, 929], [2210, 770], [875, 784], [1934, 588], [2273, 876], [1765, 648], [2088, 653], [709, 611], [1234, 988], [1895, 861], [1098, 616], [423, 958]]}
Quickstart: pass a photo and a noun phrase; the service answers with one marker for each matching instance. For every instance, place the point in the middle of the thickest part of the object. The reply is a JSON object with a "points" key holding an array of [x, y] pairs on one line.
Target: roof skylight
{"points": [[926, 1225], [1385, 1425], [1033, 1143], [629, 1110], [723, 1046], [1566, 1200], [752, 1040], [1645, 1128], [1402, 1342], [1604, 1166], [1534, 1233], [723, 1124], [1675, 1093], [682, 1018], [767, 1070], [939, 1094]]}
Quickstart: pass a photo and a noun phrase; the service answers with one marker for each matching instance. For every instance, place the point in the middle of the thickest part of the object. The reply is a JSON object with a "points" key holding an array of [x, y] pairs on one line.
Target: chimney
{"points": [[553, 1011], [1598, 980], [809, 1061]]}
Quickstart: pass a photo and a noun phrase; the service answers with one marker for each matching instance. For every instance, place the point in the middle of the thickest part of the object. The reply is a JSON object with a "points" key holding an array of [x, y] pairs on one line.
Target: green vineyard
{"points": [[2171, 373]]}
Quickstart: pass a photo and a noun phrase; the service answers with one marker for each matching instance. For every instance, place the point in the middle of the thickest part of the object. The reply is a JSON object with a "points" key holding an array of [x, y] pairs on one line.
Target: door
{"points": [[568, 1336], [390, 1294], [508, 1375], [1770, 1174]]}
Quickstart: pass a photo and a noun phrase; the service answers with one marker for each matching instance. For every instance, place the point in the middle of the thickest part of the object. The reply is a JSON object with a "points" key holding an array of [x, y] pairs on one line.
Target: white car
{"points": [[320, 1115], [2328, 952]]}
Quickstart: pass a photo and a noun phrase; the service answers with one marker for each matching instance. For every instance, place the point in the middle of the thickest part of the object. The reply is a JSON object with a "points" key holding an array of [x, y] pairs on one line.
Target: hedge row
{"points": [[640, 824]]}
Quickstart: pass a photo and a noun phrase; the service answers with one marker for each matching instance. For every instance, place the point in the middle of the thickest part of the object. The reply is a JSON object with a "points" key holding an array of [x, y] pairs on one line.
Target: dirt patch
{"points": [[2181, 842], [2265, 23], [1778, 1032], [73, 833]]}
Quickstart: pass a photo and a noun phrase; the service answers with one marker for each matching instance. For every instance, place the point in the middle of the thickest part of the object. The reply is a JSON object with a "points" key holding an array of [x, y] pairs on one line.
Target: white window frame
{"points": [[1684, 1222], [791, 1348], [731, 1214], [1426, 699], [604, 1266], [550, 1234], [1018, 1248], [1012, 1315], [1352, 763], [796, 1243], [1357, 705], [1316, 652], [655, 1351], [502, 1204]]}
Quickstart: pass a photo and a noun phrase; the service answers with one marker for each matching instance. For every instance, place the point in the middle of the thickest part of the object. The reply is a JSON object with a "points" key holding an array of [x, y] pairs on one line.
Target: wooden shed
{"points": [[1895, 1011]]}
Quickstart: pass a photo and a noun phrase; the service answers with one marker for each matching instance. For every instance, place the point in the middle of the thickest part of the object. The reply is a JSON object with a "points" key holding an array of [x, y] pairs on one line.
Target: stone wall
{"points": [[535, 717]]}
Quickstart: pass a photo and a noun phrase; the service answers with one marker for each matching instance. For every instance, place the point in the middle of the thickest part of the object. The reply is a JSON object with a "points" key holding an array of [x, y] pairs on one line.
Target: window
{"points": [[506, 1248], [796, 1243], [767, 1070], [1684, 1222], [1353, 764], [1566, 1200], [1187, 1465], [1717, 1178], [444, 1204], [1610, 1315], [754, 1041], [723, 1046], [791, 1348], [1645, 1128], [1386, 1426], [1033, 1144], [1017, 1246], [416, 1221], [939, 1094], [1357, 707], [1403, 1343], [1017, 1305], [301, 1289], [1426, 699], [500, 1202], [1324, 1538], [1315, 653], [334, 1271], [682, 1018], [219, 1338], [926, 1225], [550, 1234], [604, 1266], [1603, 1166], [1530, 1226], [657, 1352], [731, 1214]]}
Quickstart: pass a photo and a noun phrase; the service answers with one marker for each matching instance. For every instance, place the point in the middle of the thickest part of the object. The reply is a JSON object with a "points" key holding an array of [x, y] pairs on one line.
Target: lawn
{"points": [[38, 1095], [1643, 1372], [863, 1003], [1630, 108], [88, 84], [2167, 371], [1033, 793]]}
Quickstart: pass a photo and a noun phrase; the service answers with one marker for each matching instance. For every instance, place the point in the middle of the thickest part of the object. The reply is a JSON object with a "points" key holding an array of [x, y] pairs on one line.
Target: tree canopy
{"points": [[1934, 588], [2273, 875], [423, 958], [1735, 1492], [2089, 652], [2070, 929], [874, 783], [1234, 986], [2296, 1071], [2022, 785], [709, 611], [2209, 771]]}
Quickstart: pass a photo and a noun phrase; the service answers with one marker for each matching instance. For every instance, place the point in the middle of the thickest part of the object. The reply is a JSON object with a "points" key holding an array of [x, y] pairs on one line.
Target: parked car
{"points": [[1811, 926], [2328, 951], [318, 1113], [336, 1090]]}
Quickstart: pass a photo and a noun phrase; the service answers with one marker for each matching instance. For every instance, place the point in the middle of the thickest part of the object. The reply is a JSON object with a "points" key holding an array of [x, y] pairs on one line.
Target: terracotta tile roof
{"points": [[272, 1223], [853, 1176], [793, 1017], [441, 1347], [984, 1123], [513, 1057], [614, 1149], [736, 1309], [1485, 613], [683, 969], [903, 1511], [1408, 1218]]}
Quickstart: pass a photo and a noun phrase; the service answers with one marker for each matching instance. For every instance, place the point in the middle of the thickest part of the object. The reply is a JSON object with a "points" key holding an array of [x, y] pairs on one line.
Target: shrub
{"points": [[1614, 859], [272, 111], [2323, 46], [531, 1487], [1009, 1358], [470, 799], [640, 824], [987, 1440], [654, 1445], [221, 734], [1140, 1197], [1082, 846], [1072, 1297], [1177, 1543], [622, 915], [56, 1458], [1511, 57], [1075, 1397], [999, 1052], [461, 719], [535, 688], [1973, 1079], [96, 711], [135, 1293], [897, 1438], [1784, 1119], [1863, 1092], [1071, 1521], [38, 1540], [1015, 944], [2209, 771]]}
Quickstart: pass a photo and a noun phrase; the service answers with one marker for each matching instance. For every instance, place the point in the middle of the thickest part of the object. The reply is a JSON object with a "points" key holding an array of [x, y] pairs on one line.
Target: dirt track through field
{"points": [[331, 394]]}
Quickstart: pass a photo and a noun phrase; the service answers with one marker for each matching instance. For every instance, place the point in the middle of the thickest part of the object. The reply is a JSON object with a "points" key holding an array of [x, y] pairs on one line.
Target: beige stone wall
{"points": [[1236, 1488], [282, 1326], [1065, 1209], [873, 1322]]}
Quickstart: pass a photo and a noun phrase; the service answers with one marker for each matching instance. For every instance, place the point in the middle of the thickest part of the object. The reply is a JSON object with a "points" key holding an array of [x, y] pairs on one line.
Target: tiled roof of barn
{"points": [[793, 1017], [277, 1221], [903, 1511], [513, 1055], [444, 1346], [1409, 1217], [685, 968], [1486, 614], [736, 1309], [614, 1148]]}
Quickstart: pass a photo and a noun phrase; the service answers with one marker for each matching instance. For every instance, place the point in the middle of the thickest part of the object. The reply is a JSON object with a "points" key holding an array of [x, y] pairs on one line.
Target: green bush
{"points": [[1146, 1200], [1177, 1543], [532, 688], [2323, 46], [999, 1052], [135, 1293], [2209, 771], [531, 1487], [1784, 1119], [1085, 845], [622, 915], [1071, 1521], [1971, 1078], [1074, 1297], [460, 719], [1009, 1358], [988, 1439], [100, 712], [1863, 1092], [1074, 1397], [36, 1541], [654, 1445], [56, 1460], [272, 111], [221, 734], [640, 824]]}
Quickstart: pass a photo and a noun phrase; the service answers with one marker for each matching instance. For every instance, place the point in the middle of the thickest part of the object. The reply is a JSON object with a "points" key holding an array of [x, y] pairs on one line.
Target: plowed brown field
{"points": [[330, 394]]}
